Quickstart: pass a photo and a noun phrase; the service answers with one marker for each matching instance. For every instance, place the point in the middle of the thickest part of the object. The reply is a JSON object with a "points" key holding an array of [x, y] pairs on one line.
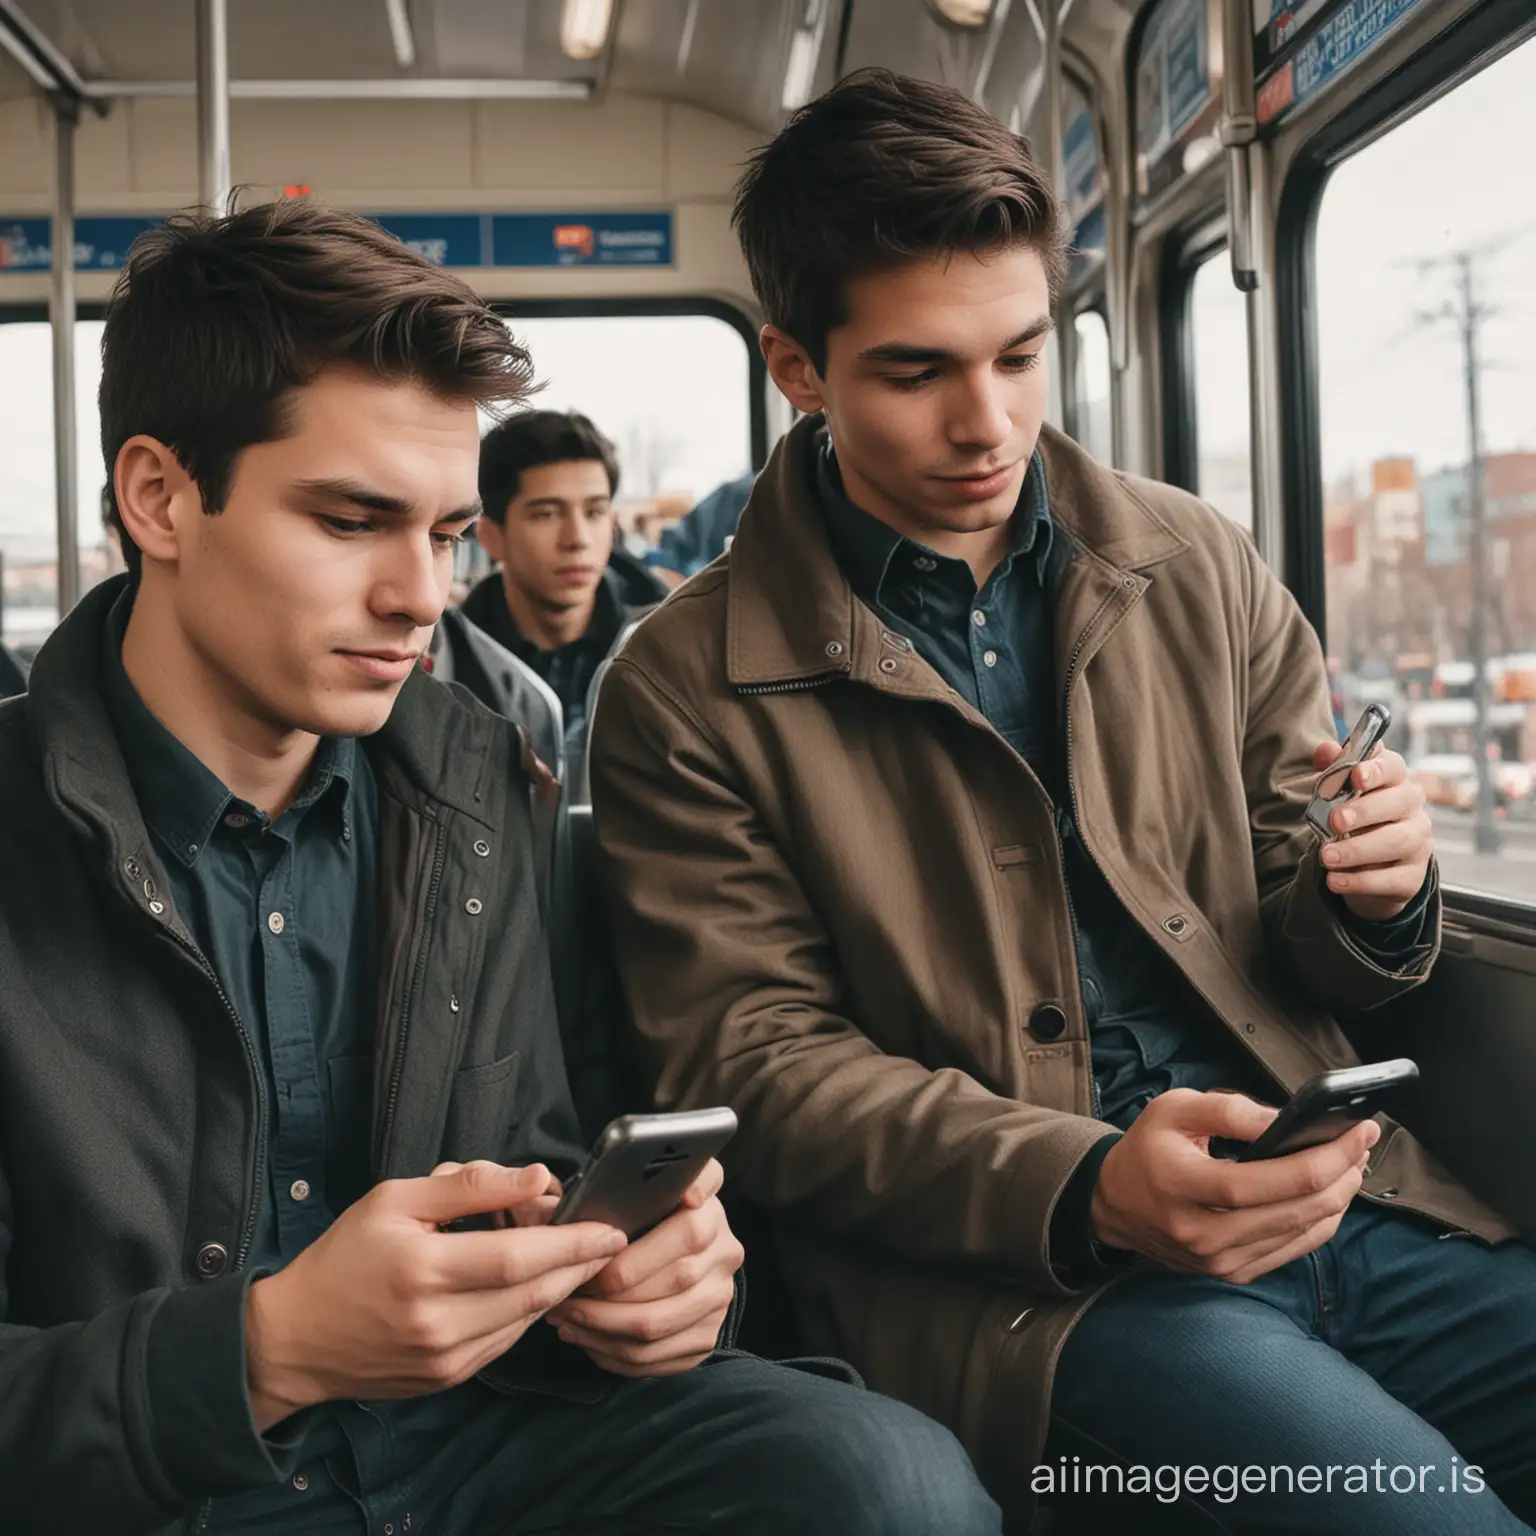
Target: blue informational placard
{"points": [[1342, 40], [582, 239], [1174, 89], [101, 244], [445, 239], [1090, 245], [1080, 155]]}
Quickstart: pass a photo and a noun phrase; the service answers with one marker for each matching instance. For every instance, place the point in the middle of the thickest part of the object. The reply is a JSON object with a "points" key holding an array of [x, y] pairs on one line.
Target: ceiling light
{"points": [[584, 27], [400, 33], [962, 13], [804, 55]]}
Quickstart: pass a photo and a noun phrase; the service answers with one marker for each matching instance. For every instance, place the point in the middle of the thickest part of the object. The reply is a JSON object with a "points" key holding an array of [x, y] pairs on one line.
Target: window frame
{"points": [[1459, 54], [1185, 251]]}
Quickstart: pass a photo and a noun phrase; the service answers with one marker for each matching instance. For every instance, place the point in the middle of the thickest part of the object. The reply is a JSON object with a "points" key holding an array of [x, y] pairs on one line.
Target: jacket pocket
{"points": [[479, 1111]]}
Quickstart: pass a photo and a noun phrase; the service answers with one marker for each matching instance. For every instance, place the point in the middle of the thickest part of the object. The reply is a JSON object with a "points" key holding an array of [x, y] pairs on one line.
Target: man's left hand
{"points": [[657, 1309], [1379, 858]]}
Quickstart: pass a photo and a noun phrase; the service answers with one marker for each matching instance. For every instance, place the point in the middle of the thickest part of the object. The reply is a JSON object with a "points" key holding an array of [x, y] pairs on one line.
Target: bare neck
{"points": [[548, 628], [255, 759]]}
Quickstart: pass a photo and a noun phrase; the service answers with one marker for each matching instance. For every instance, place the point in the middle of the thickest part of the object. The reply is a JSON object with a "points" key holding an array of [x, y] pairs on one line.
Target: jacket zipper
{"points": [[397, 1071], [804, 685], [199, 1521]]}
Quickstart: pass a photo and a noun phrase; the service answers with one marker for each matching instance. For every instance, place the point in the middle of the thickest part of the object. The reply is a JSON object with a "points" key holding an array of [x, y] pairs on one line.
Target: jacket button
{"points": [[212, 1260], [1048, 1022]]}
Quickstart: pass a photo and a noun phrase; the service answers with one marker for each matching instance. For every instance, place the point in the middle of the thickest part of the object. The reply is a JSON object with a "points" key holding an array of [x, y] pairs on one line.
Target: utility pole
{"points": [[1485, 835]]}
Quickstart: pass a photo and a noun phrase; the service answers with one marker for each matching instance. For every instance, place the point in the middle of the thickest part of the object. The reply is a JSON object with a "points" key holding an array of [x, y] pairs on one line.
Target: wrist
{"points": [[279, 1386]]}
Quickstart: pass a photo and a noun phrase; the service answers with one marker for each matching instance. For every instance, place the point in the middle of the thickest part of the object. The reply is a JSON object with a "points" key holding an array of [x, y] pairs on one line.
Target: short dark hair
{"points": [[881, 170], [532, 438], [214, 321]]}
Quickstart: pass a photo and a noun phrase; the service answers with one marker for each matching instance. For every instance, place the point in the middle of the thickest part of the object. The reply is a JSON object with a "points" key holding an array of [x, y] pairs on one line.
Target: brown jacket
{"points": [[838, 900]]}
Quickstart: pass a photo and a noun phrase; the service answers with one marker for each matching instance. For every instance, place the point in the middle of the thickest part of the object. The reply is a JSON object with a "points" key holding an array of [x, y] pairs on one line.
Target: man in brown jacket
{"points": [[954, 824]]}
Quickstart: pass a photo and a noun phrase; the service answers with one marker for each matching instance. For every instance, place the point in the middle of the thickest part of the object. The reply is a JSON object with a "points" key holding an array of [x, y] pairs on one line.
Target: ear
{"points": [[491, 538], [790, 367], [155, 497]]}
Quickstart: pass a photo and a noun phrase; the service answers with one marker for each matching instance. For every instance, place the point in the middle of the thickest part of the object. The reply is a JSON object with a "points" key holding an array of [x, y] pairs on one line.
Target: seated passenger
{"points": [[955, 828], [702, 534], [565, 591], [275, 1005]]}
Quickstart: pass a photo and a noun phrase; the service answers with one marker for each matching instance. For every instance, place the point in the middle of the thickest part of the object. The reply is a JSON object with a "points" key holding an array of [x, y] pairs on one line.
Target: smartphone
{"points": [[1327, 1105], [640, 1167], [1333, 786]]}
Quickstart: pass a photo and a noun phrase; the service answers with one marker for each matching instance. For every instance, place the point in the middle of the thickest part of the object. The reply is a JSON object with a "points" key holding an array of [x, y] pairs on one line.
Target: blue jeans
{"points": [[737, 1445], [1397, 1362]]}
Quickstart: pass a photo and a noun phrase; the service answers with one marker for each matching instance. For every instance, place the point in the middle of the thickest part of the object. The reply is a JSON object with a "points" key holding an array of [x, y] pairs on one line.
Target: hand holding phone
{"points": [[1334, 786], [1327, 1105]]}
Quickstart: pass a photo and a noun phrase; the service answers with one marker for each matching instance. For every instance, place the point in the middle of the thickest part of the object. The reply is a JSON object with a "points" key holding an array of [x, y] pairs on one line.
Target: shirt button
{"points": [[275, 922], [924, 563], [979, 619], [300, 1481], [299, 1189], [236, 820], [990, 658]]}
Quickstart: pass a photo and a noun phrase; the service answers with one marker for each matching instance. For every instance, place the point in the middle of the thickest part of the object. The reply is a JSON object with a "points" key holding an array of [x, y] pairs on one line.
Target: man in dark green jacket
{"points": [[275, 1006]]}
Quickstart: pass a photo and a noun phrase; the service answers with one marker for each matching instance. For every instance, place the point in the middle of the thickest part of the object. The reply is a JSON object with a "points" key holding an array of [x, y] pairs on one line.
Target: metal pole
{"points": [[213, 182], [61, 313], [1485, 836], [1056, 161]]}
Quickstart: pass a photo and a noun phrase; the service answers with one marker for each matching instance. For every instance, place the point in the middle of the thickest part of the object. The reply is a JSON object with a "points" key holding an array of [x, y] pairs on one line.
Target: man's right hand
{"points": [[1160, 1193], [384, 1305]]}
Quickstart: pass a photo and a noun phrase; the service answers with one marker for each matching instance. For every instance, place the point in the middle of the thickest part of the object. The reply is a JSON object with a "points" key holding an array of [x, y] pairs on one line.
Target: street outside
{"points": [[1511, 872]]}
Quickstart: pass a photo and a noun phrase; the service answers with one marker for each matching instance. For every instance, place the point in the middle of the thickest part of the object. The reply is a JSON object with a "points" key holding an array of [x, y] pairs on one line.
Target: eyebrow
{"points": [[908, 352], [355, 494]]}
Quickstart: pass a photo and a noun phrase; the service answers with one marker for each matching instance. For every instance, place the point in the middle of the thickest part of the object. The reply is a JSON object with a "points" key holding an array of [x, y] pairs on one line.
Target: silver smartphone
{"points": [[640, 1167], [1333, 786]]}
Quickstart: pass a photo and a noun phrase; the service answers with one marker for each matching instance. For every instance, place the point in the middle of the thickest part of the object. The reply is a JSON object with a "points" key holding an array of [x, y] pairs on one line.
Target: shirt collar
{"points": [[875, 557], [182, 800]]}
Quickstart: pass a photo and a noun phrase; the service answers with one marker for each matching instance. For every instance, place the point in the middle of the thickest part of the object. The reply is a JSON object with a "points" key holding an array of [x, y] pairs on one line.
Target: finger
{"points": [[1397, 802], [1231, 1186], [535, 1213], [1308, 1242], [479, 1261], [1389, 844], [475, 1189], [1379, 770], [443, 1168], [682, 1236], [488, 1323], [1389, 883], [1245, 1236], [1232, 1115], [709, 1183], [644, 1321], [1325, 753], [692, 1344]]}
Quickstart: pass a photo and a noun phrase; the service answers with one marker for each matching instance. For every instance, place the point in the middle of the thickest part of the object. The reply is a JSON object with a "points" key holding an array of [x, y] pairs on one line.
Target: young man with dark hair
{"points": [[565, 590], [275, 1006], [955, 822]]}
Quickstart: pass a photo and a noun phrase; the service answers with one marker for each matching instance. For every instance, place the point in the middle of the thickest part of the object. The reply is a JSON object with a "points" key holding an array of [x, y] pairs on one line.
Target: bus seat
{"points": [[1477, 1072]]}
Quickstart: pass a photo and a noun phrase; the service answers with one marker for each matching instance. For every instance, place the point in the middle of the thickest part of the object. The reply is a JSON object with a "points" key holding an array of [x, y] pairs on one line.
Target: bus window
{"points": [[1219, 325], [1424, 250], [28, 519], [1094, 428], [673, 392]]}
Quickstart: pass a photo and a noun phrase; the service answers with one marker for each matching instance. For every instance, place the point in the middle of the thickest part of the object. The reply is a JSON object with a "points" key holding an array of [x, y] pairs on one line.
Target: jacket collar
{"points": [[444, 750], [791, 614]]}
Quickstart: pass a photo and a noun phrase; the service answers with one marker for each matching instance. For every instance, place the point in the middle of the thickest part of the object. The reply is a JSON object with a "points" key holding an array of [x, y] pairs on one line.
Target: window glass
{"points": [[28, 520], [673, 392], [1218, 321], [1094, 429], [1409, 230]]}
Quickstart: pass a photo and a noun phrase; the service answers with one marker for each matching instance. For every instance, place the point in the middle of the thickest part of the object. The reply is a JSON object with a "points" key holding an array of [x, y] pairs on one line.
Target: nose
{"points": [[574, 532], [412, 581], [979, 417]]}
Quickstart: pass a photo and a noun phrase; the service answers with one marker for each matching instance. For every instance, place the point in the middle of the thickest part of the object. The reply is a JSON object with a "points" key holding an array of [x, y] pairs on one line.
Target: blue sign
{"points": [[1080, 156], [1347, 35], [101, 244], [582, 240], [445, 239], [1090, 245], [1173, 88]]}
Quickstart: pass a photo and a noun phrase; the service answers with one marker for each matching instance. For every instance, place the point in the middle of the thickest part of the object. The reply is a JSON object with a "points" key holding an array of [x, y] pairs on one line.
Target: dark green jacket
{"points": [[130, 1111]]}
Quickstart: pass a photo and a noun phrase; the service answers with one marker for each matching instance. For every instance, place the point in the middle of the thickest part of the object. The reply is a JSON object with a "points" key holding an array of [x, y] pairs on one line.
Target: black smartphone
{"points": [[1333, 786], [1327, 1105], [640, 1167]]}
